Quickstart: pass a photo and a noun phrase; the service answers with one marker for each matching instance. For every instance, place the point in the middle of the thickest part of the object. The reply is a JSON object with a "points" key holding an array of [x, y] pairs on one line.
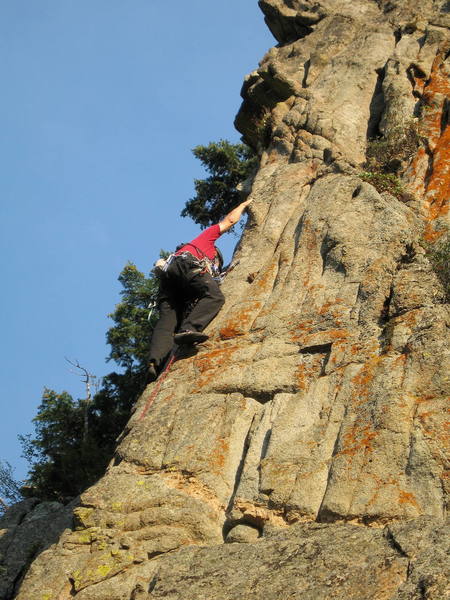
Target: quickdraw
{"points": [[151, 307], [224, 273]]}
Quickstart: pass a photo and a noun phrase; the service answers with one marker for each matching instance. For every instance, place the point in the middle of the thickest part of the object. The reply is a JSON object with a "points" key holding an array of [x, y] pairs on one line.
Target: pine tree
{"points": [[66, 457], [228, 165], [9, 487]]}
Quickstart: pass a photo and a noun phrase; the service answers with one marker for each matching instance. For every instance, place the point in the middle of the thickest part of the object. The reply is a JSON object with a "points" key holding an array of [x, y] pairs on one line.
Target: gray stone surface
{"points": [[309, 561], [315, 414], [242, 534], [26, 530]]}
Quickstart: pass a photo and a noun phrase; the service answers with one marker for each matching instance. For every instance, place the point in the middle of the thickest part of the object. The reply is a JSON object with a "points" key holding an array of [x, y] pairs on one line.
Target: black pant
{"points": [[183, 284]]}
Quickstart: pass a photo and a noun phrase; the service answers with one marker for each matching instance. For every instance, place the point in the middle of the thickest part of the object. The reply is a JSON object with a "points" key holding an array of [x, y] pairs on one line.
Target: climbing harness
{"points": [[201, 265], [205, 264], [163, 264]]}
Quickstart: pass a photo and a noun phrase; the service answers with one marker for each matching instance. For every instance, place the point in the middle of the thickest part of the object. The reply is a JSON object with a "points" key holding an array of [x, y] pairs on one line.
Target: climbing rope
{"points": [[160, 381]]}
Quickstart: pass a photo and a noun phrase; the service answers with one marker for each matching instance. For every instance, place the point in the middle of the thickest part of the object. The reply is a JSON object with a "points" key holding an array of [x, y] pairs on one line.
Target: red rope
{"points": [[161, 379]]}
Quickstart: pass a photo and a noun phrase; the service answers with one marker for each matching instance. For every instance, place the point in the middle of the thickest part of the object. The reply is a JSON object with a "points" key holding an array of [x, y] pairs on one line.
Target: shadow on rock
{"points": [[27, 529]]}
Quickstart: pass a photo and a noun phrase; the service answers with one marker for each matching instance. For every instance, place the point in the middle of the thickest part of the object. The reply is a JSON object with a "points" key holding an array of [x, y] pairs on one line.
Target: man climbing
{"points": [[187, 277]]}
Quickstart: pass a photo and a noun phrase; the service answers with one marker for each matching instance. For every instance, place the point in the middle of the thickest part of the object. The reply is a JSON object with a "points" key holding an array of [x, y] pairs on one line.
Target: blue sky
{"points": [[102, 102]]}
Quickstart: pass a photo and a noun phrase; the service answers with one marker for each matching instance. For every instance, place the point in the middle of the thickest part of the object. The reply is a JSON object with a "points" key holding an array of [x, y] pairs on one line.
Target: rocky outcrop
{"points": [[310, 561], [27, 528], [302, 451]]}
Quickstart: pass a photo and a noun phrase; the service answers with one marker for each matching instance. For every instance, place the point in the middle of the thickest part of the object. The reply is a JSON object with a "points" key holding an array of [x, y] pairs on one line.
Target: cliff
{"points": [[301, 452]]}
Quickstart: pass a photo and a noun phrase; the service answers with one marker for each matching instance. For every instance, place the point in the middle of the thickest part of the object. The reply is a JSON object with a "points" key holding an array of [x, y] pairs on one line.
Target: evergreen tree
{"points": [[130, 337], [228, 165], [61, 464], [9, 487], [63, 459]]}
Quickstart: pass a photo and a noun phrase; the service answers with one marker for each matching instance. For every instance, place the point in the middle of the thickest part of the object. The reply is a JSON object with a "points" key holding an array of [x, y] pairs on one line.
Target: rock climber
{"points": [[187, 277]]}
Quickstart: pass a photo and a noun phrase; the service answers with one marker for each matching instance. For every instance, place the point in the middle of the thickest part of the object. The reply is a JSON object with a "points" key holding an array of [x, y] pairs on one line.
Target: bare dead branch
{"points": [[89, 379]]}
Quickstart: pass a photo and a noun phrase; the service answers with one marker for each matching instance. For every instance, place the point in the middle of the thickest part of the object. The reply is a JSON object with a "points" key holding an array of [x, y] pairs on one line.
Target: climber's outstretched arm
{"points": [[233, 217]]}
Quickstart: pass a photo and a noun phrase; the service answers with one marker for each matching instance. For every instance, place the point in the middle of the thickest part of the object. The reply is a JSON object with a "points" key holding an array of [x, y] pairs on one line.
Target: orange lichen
{"points": [[319, 337], [364, 378], [435, 179], [209, 363], [219, 454], [378, 485], [241, 321], [230, 331], [356, 348], [301, 377], [424, 398], [264, 279], [358, 439], [215, 358], [407, 498], [423, 416], [306, 372], [326, 307]]}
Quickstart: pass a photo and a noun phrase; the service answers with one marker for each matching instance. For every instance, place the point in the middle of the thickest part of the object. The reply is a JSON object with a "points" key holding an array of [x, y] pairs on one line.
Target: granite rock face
{"points": [[308, 433], [28, 528]]}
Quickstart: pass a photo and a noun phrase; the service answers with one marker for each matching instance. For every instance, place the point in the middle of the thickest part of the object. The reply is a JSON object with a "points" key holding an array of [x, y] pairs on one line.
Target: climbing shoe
{"points": [[151, 373], [190, 337]]}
